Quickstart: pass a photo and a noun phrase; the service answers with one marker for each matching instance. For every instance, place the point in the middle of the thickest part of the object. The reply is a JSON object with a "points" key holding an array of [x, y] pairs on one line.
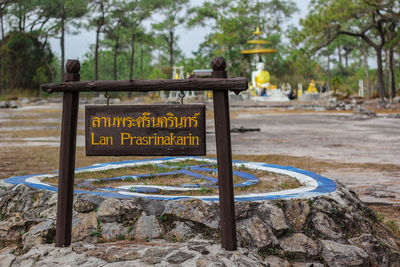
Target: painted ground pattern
{"points": [[312, 183]]}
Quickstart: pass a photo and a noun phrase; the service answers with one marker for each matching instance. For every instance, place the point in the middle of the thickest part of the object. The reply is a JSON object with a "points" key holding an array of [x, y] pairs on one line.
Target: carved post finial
{"points": [[218, 64], [72, 68]]}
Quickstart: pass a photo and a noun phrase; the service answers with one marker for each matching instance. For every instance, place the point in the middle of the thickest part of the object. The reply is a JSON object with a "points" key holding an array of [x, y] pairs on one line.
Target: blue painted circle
{"points": [[321, 185]]}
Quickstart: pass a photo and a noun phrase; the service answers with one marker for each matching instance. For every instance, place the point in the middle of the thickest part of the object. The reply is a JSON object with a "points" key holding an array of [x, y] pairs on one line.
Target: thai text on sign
{"points": [[145, 130]]}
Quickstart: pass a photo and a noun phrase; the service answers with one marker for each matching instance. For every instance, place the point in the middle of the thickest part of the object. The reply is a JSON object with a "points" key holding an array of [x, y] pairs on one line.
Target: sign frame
{"points": [[220, 84], [103, 141]]}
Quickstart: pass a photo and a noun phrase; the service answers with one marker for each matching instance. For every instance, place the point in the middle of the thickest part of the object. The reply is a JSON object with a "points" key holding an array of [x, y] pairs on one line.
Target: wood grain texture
{"points": [[67, 168], [67, 158], [224, 159], [194, 84]]}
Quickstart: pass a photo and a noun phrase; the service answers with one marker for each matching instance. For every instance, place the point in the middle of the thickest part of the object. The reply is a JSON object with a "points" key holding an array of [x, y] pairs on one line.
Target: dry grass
{"points": [[269, 182], [162, 180], [314, 165]]}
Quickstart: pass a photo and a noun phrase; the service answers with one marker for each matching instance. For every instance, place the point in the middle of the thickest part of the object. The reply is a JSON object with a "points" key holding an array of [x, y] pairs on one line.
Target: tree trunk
{"points": [[329, 73], [392, 75], [340, 55], [141, 61], [366, 66], [381, 82], [96, 54], [2, 26], [2, 79], [20, 18], [132, 59], [171, 49], [62, 46], [1, 52], [116, 47], [23, 21], [386, 73], [346, 58]]}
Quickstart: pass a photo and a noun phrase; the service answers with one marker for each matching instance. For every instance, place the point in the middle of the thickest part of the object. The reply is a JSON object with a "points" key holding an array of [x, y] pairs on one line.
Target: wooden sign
{"points": [[110, 124], [146, 130]]}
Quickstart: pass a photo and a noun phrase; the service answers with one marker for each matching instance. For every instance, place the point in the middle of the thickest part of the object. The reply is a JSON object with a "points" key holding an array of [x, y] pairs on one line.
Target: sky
{"points": [[189, 40]]}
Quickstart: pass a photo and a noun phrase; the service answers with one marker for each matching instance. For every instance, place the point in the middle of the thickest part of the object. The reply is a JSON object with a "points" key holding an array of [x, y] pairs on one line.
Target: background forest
{"points": [[338, 43]]}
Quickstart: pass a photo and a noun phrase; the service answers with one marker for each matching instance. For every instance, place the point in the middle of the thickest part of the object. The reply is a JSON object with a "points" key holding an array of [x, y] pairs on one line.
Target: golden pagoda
{"points": [[259, 50]]}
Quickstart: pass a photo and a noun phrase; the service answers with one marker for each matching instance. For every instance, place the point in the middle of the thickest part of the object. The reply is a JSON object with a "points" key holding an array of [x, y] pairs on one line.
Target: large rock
{"points": [[43, 200], [48, 255], [110, 211], [19, 199], [84, 227], [181, 232], [300, 245], [50, 209], [325, 226], [243, 210], [273, 216], [254, 232], [153, 207], [155, 255], [118, 253], [179, 256], [130, 210], [209, 261], [87, 202], [115, 210], [307, 264], [113, 231], [274, 261], [379, 250], [338, 255], [41, 233], [194, 210], [147, 227], [297, 212], [322, 204], [6, 257], [13, 228]]}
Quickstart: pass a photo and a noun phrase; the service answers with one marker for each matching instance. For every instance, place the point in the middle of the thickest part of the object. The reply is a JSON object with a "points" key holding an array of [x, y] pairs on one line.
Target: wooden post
{"points": [[67, 157], [224, 159]]}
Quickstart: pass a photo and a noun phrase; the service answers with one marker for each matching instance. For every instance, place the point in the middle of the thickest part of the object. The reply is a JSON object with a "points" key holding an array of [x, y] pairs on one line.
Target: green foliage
{"points": [[97, 232], [234, 23], [162, 218], [120, 237], [27, 62], [205, 190], [343, 31], [167, 37], [372, 22]]}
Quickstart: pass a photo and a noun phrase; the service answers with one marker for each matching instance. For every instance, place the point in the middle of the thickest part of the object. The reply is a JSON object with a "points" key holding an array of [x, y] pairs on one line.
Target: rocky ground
{"points": [[330, 230]]}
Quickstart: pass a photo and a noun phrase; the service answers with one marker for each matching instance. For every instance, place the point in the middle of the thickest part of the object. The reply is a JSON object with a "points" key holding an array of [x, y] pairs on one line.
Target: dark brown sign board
{"points": [[145, 130]]}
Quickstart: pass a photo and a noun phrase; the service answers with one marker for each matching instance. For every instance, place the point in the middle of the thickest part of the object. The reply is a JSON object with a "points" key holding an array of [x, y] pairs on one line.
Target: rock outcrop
{"points": [[336, 229]]}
